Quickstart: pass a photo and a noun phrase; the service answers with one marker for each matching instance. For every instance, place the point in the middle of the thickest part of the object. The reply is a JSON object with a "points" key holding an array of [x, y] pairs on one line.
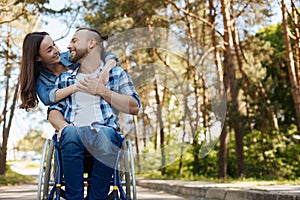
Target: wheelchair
{"points": [[51, 183]]}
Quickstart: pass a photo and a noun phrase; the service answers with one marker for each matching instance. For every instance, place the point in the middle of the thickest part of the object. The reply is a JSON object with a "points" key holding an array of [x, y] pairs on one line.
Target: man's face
{"points": [[78, 46]]}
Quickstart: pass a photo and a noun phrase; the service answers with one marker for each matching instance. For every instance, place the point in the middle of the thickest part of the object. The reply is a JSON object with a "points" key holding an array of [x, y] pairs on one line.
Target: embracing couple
{"points": [[85, 90]]}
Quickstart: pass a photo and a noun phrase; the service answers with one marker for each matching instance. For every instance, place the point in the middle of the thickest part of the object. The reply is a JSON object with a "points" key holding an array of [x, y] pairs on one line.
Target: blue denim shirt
{"points": [[45, 84]]}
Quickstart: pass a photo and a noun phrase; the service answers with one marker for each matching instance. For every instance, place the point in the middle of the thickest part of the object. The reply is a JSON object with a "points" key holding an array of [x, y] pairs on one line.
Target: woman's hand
{"points": [[60, 131], [78, 87], [103, 76], [92, 85]]}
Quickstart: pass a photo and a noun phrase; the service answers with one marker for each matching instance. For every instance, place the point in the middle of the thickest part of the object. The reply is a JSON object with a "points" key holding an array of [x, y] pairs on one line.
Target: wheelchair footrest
{"points": [[114, 195]]}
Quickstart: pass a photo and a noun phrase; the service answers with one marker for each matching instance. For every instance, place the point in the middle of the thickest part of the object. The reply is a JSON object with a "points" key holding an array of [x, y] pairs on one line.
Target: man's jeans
{"points": [[103, 144]]}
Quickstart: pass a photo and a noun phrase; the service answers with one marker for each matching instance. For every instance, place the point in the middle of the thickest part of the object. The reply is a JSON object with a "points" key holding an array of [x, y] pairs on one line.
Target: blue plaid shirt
{"points": [[119, 81]]}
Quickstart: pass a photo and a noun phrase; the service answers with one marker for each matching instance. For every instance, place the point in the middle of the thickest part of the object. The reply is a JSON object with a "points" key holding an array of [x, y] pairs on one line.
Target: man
{"points": [[95, 127]]}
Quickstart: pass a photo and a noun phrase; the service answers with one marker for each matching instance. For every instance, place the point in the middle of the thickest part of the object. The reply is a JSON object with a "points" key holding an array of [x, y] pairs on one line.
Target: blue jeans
{"points": [[103, 145]]}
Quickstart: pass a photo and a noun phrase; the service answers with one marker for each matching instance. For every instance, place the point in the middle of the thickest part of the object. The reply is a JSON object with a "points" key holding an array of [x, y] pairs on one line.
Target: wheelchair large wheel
{"points": [[43, 164], [47, 170], [127, 171]]}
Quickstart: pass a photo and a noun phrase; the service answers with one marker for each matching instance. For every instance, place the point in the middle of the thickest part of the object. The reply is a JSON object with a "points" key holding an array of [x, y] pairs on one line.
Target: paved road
{"points": [[28, 192]]}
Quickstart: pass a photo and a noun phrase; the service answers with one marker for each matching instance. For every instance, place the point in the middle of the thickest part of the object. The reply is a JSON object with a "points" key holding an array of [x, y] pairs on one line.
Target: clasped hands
{"points": [[94, 85]]}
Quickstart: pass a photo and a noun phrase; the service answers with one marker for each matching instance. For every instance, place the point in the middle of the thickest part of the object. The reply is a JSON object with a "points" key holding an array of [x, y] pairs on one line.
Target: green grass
{"points": [[13, 178]]}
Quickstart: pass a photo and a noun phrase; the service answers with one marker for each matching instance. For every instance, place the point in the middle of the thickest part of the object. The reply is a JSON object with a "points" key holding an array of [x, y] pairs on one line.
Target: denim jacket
{"points": [[45, 84]]}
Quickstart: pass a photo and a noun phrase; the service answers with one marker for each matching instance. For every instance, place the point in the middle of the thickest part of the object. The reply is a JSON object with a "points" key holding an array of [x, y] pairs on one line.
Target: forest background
{"points": [[218, 80]]}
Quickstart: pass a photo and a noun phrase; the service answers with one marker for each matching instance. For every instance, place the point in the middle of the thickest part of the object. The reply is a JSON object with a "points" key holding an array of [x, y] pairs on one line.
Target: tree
{"points": [[292, 65], [33, 141]]}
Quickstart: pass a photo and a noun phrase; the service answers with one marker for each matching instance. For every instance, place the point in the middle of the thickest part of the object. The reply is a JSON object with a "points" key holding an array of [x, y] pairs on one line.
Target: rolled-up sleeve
{"points": [[60, 105], [44, 91], [52, 95]]}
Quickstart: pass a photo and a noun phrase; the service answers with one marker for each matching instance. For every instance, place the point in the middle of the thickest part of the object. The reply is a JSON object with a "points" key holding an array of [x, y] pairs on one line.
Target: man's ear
{"points": [[38, 59], [92, 43]]}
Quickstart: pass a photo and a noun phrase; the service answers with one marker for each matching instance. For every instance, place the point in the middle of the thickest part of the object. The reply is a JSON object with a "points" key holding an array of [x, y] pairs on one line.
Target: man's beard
{"points": [[79, 54]]}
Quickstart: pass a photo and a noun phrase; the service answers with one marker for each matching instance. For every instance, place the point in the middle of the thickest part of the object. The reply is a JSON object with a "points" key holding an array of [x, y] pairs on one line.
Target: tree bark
{"points": [[231, 85], [223, 152], [5, 131], [290, 62]]}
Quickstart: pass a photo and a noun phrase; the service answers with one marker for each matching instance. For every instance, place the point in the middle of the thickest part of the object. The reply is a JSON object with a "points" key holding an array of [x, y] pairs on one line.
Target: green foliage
{"points": [[13, 178], [272, 155], [277, 78]]}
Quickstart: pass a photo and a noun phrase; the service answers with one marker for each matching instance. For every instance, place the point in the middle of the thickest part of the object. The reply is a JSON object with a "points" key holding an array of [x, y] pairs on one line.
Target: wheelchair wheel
{"points": [[42, 168], [127, 172], [47, 170]]}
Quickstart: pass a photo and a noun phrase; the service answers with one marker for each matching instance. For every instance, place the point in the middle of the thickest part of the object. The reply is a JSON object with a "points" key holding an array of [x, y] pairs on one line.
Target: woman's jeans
{"points": [[102, 142]]}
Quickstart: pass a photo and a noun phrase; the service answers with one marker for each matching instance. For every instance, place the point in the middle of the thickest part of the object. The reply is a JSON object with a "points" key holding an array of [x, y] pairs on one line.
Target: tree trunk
{"points": [[160, 128], [6, 128], [224, 137], [231, 84], [290, 62], [295, 15], [223, 152], [136, 141], [185, 100]]}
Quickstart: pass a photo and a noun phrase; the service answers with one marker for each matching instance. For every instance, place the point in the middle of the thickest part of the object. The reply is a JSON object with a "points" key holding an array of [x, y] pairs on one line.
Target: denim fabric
{"points": [[103, 144]]}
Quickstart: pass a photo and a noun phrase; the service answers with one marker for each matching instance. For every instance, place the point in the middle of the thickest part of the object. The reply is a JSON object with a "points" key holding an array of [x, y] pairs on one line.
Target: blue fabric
{"points": [[103, 143], [119, 82], [45, 84]]}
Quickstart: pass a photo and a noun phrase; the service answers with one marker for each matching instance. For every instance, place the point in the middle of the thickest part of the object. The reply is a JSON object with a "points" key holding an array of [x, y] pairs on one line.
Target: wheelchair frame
{"points": [[50, 181]]}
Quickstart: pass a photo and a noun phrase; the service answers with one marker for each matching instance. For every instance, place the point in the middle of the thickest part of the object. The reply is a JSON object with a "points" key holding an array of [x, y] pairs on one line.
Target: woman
{"points": [[41, 65]]}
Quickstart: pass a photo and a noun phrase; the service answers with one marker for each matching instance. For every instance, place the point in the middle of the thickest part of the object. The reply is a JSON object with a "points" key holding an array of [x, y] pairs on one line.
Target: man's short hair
{"points": [[101, 37]]}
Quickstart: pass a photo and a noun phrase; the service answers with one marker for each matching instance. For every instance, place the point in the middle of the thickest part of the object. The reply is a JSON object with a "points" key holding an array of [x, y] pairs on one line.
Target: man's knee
{"points": [[110, 134]]}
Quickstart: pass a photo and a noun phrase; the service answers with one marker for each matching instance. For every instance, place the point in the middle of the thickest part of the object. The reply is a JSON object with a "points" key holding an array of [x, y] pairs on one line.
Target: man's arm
{"points": [[121, 102], [58, 121]]}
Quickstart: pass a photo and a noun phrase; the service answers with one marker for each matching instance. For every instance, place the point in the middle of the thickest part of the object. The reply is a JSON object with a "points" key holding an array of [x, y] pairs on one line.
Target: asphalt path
{"points": [[29, 191]]}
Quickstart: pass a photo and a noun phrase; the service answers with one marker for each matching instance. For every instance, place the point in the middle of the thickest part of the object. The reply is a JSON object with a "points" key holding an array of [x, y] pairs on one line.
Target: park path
{"points": [[29, 191]]}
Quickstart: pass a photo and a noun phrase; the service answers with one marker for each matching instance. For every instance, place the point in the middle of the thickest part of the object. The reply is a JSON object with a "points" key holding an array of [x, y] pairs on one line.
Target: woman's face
{"points": [[48, 52]]}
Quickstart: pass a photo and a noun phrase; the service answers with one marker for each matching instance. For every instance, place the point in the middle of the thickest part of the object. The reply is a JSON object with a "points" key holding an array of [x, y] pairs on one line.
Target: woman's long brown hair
{"points": [[30, 69]]}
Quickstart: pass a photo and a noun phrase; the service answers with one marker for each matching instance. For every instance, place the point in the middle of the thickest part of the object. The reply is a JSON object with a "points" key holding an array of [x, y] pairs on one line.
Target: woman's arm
{"points": [[104, 74], [65, 92]]}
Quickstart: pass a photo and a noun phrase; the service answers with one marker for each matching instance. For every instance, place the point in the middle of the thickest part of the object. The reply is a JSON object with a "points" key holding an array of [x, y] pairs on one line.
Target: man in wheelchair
{"points": [[89, 122]]}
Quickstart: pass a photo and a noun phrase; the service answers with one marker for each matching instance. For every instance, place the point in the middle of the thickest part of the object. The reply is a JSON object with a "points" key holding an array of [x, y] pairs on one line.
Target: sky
{"points": [[56, 27]]}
